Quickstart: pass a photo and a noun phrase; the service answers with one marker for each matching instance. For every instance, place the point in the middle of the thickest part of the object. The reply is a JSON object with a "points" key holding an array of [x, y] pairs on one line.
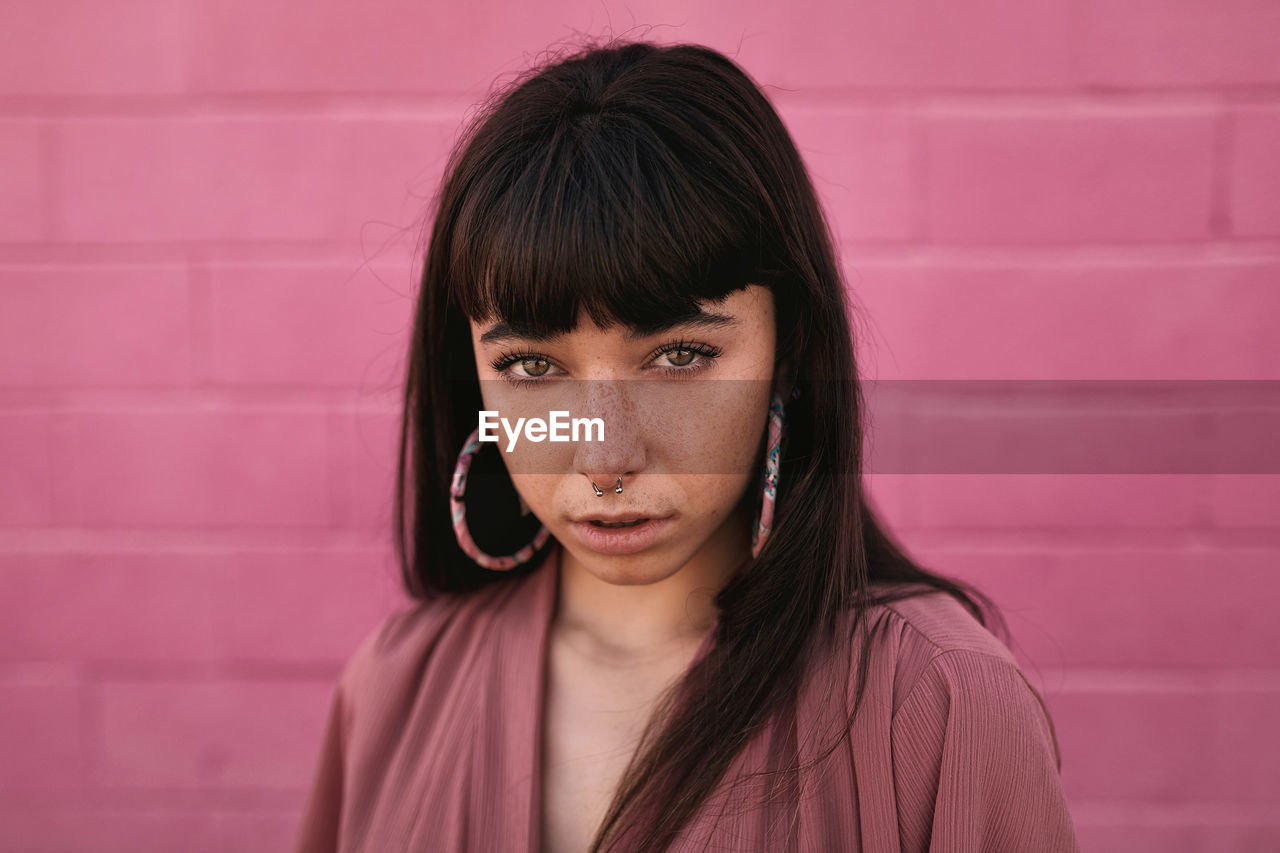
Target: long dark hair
{"points": [[633, 180]]}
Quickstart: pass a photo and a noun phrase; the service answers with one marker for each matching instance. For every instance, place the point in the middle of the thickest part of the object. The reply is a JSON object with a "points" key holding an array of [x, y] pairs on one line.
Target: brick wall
{"points": [[208, 213]]}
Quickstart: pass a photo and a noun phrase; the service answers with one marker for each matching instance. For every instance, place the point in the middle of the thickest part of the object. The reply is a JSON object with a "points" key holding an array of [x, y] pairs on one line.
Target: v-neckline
{"points": [[533, 665]]}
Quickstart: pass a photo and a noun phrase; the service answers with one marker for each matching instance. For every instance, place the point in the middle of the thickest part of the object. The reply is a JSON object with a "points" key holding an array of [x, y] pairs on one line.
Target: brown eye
{"points": [[542, 361], [674, 356]]}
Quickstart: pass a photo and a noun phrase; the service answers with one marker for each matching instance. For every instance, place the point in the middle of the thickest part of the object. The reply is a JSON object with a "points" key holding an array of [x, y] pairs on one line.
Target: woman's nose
{"points": [[622, 449]]}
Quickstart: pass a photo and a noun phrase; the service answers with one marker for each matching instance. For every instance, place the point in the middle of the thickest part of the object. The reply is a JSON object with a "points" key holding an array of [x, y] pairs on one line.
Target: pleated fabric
{"points": [[433, 740]]}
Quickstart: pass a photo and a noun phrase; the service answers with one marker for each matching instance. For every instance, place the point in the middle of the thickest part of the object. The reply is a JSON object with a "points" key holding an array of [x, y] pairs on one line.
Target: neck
{"points": [[626, 617]]}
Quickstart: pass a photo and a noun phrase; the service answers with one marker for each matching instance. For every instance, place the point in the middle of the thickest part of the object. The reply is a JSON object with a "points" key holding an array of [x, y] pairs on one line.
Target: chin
{"points": [[631, 569]]}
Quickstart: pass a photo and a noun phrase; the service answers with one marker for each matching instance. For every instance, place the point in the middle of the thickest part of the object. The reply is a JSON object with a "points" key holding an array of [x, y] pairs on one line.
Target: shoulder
{"points": [[415, 643], [399, 636], [927, 631], [975, 758], [950, 670], [938, 623]]}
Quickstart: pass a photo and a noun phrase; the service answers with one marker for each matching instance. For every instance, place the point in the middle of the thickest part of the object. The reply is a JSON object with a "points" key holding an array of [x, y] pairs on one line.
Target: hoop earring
{"points": [[458, 511], [772, 463]]}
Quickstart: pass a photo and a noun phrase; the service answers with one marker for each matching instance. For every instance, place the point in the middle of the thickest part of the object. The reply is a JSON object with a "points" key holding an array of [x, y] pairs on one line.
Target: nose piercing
{"points": [[600, 494]]}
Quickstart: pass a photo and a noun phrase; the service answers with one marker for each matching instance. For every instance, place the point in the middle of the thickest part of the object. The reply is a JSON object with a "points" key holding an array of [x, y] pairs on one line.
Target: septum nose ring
{"points": [[600, 494]]}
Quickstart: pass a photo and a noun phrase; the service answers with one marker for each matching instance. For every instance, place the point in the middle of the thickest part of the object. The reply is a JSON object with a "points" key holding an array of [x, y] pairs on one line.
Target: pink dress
{"points": [[433, 740]]}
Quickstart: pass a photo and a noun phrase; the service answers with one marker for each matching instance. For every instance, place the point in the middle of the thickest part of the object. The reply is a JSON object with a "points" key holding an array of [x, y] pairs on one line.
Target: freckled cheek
{"points": [[540, 460], [724, 441]]}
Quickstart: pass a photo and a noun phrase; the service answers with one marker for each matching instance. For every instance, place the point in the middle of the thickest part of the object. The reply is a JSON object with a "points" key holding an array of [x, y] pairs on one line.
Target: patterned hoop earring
{"points": [[458, 511], [772, 463]]}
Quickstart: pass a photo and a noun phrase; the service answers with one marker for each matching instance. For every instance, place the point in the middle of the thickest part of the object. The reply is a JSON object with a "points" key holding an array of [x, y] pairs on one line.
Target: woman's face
{"points": [[683, 412]]}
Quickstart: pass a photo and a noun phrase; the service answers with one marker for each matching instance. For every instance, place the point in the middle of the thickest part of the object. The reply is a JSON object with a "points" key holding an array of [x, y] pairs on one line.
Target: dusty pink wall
{"points": [[207, 210]]}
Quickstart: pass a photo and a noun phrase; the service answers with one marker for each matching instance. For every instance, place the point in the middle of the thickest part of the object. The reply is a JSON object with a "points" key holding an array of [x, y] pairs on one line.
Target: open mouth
{"points": [[619, 538]]}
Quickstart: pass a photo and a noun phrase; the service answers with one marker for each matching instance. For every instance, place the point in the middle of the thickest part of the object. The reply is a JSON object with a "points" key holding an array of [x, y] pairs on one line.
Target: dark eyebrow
{"points": [[700, 319]]}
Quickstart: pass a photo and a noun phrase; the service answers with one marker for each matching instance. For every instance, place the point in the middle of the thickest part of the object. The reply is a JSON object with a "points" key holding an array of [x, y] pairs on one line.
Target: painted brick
{"points": [[280, 178], [861, 166], [1055, 502], [1169, 745], [132, 607], [208, 734], [1144, 321], [95, 326], [24, 212], [181, 606], [887, 439], [163, 468], [318, 325], [82, 47], [1136, 607], [239, 46], [1052, 429], [888, 495], [1255, 172], [1068, 178], [1245, 437], [26, 489], [148, 828], [915, 44], [365, 450], [242, 46], [1244, 500], [40, 721], [1179, 833], [275, 126], [1185, 43], [305, 606]]}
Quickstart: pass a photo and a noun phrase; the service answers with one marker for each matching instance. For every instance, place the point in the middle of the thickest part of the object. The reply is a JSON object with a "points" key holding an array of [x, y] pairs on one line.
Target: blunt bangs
{"points": [[606, 214]]}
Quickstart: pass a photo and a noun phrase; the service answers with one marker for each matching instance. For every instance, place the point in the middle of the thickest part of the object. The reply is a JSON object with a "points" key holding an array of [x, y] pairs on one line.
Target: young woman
{"points": [[690, 632]]}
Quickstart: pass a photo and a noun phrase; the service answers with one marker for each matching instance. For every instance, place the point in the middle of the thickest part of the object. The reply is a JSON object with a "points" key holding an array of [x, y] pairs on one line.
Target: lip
{"points": [[622, 540], [615, 517]]}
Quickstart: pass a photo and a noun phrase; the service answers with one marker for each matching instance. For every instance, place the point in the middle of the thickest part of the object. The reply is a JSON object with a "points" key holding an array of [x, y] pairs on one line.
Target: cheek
{"points": [[538, 491], [724, 436], [714, 454]]}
